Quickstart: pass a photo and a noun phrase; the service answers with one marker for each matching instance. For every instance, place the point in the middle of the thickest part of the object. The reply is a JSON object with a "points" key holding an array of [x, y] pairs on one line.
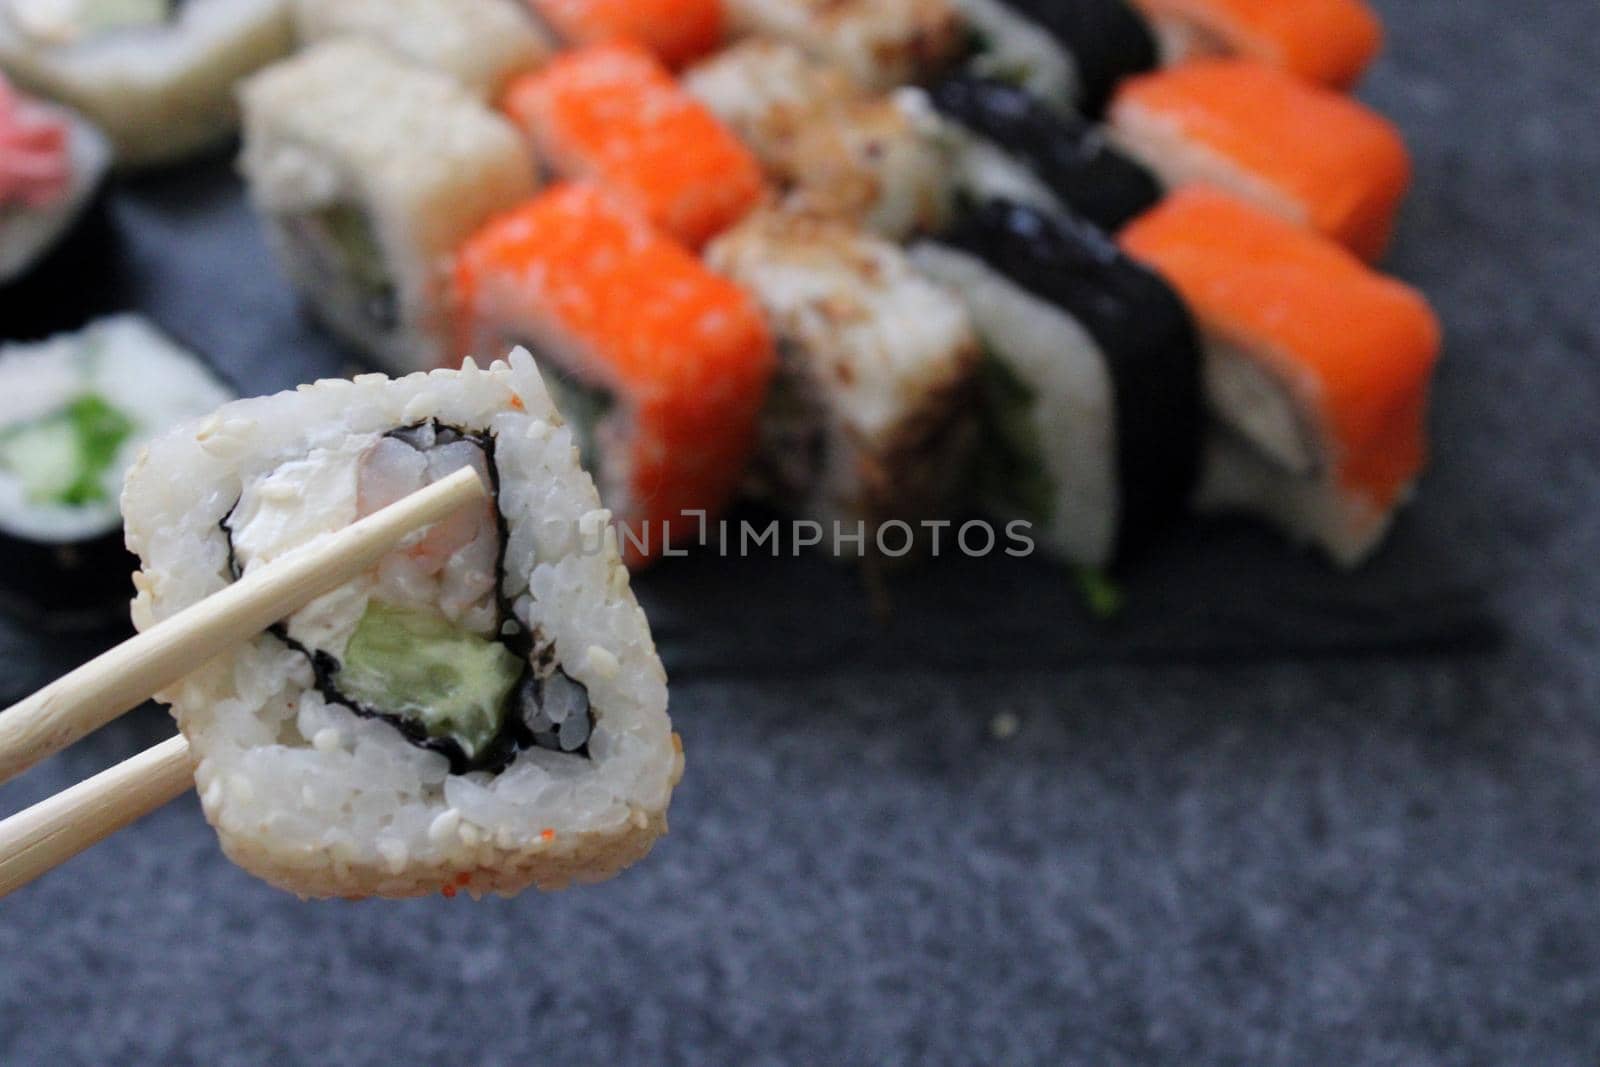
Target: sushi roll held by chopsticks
{"points": [[483, 44], [483, 711], [1318, 369], [158, 76], [368, 172]]}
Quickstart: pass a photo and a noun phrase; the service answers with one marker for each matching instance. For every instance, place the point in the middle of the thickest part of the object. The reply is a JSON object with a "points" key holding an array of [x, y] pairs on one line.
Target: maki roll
{"points": [[659, 366], [870, 418], [1091, 380], [1102, 42], [157, 76], [1330, 42], [369, 172], [677, 31], [484, 711], [1307, 154], [1318, 369], [76, 410], [880, 43], [613, 115], [1011, 145], [483, 44], [54, 235]]}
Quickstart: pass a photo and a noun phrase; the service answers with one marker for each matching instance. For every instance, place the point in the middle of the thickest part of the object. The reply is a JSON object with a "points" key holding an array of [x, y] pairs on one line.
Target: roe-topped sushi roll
{"points": [[880, 43], [1318, 367], [677, 31], [157, 76], [1092, 387], [659, 365], [1330, 42], [484, 711], [611, 114], [1307, 154], [75, 410], [870, 419], [369, 172], [483, 44]]}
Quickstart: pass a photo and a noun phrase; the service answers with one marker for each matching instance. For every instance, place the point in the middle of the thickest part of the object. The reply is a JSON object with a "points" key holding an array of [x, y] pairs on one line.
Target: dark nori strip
{"points": [[1142, 327], [1068, 153], [1108, 41], [514, 735]]}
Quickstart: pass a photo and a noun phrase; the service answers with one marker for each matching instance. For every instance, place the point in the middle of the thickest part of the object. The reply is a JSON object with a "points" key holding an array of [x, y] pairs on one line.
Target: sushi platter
{"points": [[1101, 281]]}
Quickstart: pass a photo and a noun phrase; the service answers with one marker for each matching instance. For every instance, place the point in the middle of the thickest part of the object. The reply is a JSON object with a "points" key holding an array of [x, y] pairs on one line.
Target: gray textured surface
{"points": [[1348, 860]]}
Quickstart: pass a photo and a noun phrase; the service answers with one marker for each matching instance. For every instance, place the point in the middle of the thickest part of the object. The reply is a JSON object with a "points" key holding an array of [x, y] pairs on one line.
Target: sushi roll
{"points": [[1008, 46], [611, 114], [1091, 380], [1305, 153], [157, 76], [75, 410], [870, 419], [54, 236], [880, 43], [1318, 369], [483, 44], [1329, 42], [369, 172], [659, 366], [677, 31], [1012, 145], [483, 712], [1101, 42]]}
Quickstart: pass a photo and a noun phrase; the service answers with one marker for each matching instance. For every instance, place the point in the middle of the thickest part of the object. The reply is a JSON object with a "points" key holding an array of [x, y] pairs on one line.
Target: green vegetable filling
{"points": [[584, 407], [355, 257], [420, 666], [63, 459], [1101, 594], [1011, 468]]}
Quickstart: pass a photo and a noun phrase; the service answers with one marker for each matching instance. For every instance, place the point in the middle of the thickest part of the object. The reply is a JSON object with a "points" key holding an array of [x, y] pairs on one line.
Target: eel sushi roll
{"points": [[54, 235], [76, 411], [1307, 154], [1011, 145], [880, 43], [870, 419], [157, 76], [484, 711], [1070, 53], [483, 44], [677, 31], [1329, 42], [659, 365], [369, 172], [612, 115], [1318, 369], [1091, 380]]}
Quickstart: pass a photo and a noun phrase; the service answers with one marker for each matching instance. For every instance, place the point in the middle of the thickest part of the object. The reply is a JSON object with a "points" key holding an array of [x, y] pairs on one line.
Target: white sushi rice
{"points": [[1019, 51], [150, 380], [1074, 409], [348, 123], [880, 43], [161, 92], [480, 43], [884, 356], [27, 235], [321, 802]]}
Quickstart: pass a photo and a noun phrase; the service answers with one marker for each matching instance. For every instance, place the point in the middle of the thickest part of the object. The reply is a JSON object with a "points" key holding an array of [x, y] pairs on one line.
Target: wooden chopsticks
{"points": [[53, 831]]}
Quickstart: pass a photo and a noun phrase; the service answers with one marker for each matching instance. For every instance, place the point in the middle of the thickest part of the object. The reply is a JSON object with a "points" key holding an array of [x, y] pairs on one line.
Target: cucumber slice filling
{"points": [[1011, 469], [63, 459]]}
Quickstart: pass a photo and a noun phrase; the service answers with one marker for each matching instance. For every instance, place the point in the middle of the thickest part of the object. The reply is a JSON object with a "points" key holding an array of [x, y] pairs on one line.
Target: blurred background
{"points": [[1270, 814]]}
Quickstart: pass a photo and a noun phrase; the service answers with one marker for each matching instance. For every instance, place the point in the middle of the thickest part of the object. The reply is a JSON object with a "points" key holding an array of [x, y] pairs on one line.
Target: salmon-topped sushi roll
{"points": [[659, 365], [1331, 42], [1305, 153], [1317, 368], [678, 31], [881, 43], [611, 114]]}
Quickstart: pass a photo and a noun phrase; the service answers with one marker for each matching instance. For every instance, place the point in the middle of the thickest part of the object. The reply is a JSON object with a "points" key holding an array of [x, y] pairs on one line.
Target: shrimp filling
{"points": [[428, 641]]}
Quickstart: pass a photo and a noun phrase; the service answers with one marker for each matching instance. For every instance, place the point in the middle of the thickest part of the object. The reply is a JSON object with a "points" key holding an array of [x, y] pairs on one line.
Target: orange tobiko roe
{"points": [[1343, 162], [686, 351], [678, 31], [1368, 343], [1330, 42], [613, 115]]}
